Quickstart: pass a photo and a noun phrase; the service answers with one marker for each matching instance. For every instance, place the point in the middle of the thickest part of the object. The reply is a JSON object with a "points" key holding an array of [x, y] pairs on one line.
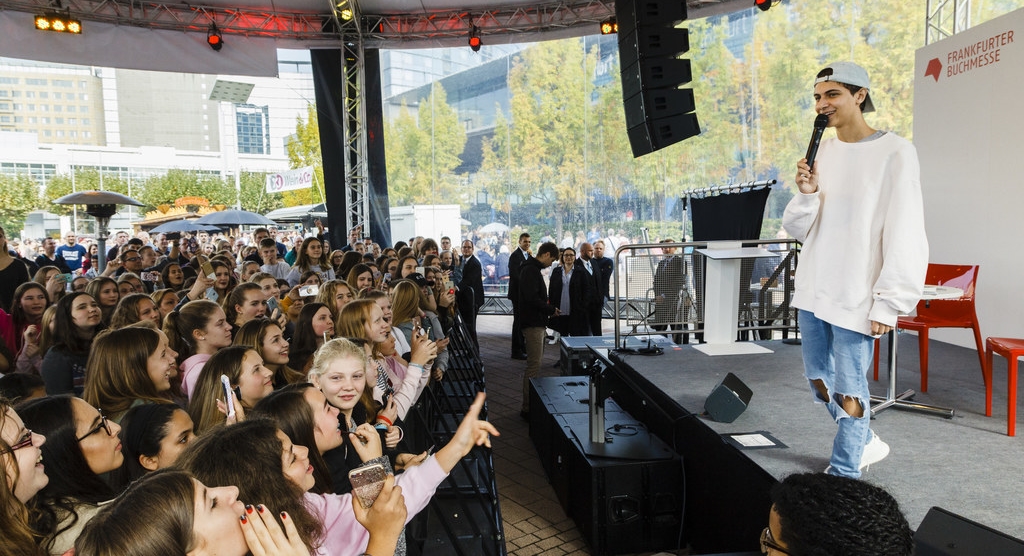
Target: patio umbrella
{"points": [[182, 226], [494, 228], [232, 217]]}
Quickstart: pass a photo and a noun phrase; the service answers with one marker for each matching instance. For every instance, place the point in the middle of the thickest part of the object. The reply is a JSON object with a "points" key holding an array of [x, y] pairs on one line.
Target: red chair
{"points": [[943, 313], [1011, 349]]}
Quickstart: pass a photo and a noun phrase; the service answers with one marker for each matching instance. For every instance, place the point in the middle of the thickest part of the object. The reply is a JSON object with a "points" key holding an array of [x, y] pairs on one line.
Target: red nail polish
{"points": [[248, 508], [284, 515], [244, 519], [260, 508]]}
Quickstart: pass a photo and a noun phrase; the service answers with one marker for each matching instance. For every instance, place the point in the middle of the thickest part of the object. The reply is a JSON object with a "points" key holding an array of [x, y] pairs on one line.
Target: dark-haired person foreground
{"points": [[816, 514]]}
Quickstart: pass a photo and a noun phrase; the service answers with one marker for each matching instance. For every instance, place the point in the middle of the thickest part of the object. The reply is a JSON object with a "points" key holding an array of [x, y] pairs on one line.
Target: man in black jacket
{"points": [[471, 290], [534, 311], [515, 263]]}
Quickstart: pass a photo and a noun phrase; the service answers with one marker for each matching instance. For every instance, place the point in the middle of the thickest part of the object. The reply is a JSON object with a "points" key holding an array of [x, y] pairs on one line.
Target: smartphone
{"points": [[272, 305], [66, 278], [387, 278], [420, 270], [171, 236], [309, 291], [151, 276], [367, 482], [426, 331], [228, 400], [450, 286], [207, 269]]}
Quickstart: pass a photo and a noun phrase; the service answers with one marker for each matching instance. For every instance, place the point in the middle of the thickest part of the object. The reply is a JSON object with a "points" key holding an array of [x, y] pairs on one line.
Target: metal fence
{"points": [[663, 293]]}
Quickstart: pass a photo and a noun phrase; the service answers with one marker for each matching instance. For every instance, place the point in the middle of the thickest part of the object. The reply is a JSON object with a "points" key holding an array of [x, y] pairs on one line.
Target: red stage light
{"points": [[214, 38], [475, 43], [763, 4]]}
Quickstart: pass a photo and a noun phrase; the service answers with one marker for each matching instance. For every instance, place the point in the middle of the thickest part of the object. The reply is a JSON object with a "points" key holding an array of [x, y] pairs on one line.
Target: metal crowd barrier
{"points": [[655, 294], [464, 516]]}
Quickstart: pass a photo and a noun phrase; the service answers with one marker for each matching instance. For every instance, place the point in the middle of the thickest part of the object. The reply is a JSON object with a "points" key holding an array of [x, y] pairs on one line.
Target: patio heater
{"points": [[100, 205]]}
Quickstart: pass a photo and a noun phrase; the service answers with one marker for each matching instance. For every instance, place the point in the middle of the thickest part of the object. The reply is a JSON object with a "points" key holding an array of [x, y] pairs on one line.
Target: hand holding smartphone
{"points": [[228, 398], [367, 482]]}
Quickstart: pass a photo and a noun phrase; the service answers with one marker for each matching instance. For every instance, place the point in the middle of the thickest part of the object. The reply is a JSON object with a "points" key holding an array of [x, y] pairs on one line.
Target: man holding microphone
{"points": [[860, 217]]}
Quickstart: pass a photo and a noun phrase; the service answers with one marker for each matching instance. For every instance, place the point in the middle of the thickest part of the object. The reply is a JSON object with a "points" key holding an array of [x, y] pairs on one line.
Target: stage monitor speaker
{"points": [[658, 112], [728, 400], [943, 533]]}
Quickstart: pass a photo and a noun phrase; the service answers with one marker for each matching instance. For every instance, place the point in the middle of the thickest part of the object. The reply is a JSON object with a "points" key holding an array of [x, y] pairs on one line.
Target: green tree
{"points": [[304, 150], [423, 153], [538, 157], [176, 183], [85, 179], [19, 196]]}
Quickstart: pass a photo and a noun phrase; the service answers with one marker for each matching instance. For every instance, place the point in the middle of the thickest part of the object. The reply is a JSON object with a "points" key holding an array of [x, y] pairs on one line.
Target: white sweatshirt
{"points": [[865, 252]]}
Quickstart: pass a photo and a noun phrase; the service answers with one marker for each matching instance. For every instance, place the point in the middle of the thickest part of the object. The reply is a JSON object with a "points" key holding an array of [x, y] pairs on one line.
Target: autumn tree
{"points": [[304, 150], [423, 152], [19, 195]]}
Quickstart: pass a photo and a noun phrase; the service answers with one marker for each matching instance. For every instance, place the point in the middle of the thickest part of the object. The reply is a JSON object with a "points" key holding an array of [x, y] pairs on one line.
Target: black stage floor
{"points": [[966, 464]]}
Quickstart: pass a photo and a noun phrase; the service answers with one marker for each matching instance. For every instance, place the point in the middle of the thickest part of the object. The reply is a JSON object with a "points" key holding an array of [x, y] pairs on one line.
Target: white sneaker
{"points": [[874, 451], [554, 338]]}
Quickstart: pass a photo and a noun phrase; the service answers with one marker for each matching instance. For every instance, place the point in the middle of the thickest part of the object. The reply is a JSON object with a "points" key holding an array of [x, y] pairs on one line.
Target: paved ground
{"points": [[534, 520]]}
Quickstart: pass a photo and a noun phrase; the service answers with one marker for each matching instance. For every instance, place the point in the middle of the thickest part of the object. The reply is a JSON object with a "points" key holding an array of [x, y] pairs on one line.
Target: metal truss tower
{"points": [[946, 18], [357, 198]]}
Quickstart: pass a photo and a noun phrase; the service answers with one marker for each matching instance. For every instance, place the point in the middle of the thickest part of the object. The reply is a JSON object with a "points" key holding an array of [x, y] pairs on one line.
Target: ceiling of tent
{"points": [[384, 23]]}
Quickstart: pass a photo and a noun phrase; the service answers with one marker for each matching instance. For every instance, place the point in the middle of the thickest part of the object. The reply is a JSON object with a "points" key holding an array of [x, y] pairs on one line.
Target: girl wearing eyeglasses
{"points": [[81, 446], [22, 475]]}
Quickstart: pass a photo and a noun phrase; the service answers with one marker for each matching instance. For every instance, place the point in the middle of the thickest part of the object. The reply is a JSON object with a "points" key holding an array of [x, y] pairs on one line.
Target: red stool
{"points": [[1011, 349]]}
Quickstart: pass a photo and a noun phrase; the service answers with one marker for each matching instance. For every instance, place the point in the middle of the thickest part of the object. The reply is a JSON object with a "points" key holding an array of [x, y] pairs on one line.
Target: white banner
{"points": [[301, 178]]}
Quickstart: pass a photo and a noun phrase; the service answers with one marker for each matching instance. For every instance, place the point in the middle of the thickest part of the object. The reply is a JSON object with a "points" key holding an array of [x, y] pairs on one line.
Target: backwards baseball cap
{"points": [[850, 74], [419, 279]]}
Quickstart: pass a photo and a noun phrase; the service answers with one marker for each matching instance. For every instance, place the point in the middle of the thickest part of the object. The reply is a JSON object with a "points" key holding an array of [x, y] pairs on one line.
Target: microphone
{"points": [[820, 123]]}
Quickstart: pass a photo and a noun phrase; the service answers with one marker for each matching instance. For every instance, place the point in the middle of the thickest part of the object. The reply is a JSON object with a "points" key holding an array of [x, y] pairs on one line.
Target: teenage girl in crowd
{"points": [[166, 300], [312, 329], [250, 382], [266, 465], [172, 277], [76, 322], [361, 277], [104, 291], [311, 258], [20, 328], [81, 445], [196, 330], [22, 476], [245, 303], [128, 367], [133, 308], [170, 512], [267, 338], [152, 437], [364, 319], [335, 294]]}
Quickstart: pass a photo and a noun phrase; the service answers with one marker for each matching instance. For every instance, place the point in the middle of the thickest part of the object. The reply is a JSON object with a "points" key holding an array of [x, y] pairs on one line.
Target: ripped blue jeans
{"points": [[840, 358]]}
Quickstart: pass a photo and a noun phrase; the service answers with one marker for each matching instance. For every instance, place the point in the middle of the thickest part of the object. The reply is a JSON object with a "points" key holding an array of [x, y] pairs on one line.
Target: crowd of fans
{"points": [[204, 394]]}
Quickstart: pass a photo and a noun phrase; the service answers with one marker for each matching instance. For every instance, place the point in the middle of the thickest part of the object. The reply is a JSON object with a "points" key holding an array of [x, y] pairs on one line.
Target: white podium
{"points": [[722, 298]]}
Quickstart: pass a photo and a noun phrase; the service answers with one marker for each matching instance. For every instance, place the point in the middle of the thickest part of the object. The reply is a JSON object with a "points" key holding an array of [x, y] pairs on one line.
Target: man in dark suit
{"points": [[570, 291], [515, 262], [471, 290], [668, 284], [534, 311], [595, 300], [606, 265]]}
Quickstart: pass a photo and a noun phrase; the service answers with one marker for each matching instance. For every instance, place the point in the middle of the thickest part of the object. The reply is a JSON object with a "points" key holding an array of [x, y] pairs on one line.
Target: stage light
{"points": [[764, 5], [474, 39], [214, 38], [609, 26], [346, 14], [59, 22]]}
